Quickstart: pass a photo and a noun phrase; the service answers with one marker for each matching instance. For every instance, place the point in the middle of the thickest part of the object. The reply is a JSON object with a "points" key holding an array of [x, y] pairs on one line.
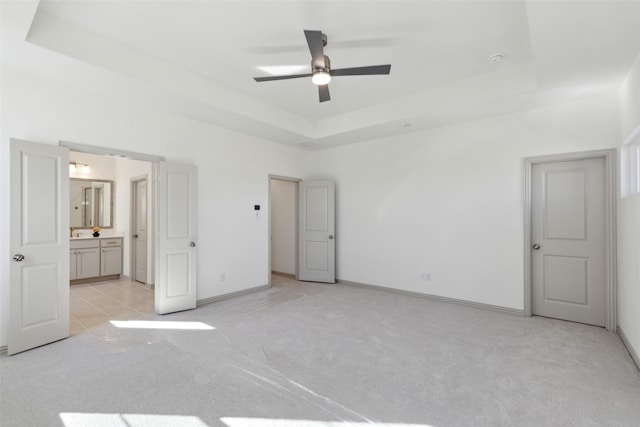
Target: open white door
{"points": [[317, 232], [39, 288], [176, 254]]}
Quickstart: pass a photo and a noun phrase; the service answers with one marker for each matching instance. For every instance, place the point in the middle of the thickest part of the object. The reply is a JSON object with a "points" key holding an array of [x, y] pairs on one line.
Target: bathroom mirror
{"points": [[91, 203]]}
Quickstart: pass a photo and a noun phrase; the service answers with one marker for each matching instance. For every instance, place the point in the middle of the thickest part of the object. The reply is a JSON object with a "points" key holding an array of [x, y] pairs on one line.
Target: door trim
{"points": [[114, 152], [296, 181], [609, 157]]}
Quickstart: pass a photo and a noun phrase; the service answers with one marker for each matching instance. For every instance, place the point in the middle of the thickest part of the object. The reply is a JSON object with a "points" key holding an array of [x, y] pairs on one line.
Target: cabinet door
{"points": [[88, 263], [73, 265], [111, 261]]}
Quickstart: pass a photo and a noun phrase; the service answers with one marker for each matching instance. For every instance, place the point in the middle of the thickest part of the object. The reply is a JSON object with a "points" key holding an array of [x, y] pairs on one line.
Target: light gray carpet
{"points": [[328, 355]]}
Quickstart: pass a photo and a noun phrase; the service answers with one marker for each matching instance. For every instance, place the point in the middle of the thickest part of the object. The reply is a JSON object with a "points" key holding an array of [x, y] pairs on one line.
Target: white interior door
{"points": [[39, 288], [176, 253], [568, 231], [140, 232], [317, 232]]}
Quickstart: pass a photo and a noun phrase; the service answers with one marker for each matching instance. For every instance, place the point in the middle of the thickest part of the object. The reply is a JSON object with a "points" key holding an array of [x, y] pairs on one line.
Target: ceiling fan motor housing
{"points": [[326, 68]]}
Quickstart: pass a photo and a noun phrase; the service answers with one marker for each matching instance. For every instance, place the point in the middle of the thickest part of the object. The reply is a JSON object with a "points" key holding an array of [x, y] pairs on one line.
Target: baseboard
{"points": [[125, 278], [95, 279], [206, 301], [3, 349], [629, 347], [437, 298], [280, 273]]}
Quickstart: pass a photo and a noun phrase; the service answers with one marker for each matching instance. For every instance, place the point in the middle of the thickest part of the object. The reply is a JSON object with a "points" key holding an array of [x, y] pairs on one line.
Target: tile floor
{"points": [[93, 305]]}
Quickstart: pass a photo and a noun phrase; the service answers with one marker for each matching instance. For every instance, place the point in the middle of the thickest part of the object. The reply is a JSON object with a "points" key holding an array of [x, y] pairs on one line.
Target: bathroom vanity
{"points": [[93, 259]]}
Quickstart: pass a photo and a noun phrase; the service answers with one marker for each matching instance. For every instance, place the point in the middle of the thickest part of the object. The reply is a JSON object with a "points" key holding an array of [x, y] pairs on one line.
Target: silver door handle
{"points": [[330, 236], [192, 244], [18, 257], [536, 246]]}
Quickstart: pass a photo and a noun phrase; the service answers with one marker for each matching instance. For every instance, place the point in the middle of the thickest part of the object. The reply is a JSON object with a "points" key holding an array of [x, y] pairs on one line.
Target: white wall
{"points": [[100, 167], [233, 170], [630, 100], [283, 226], [449, 201], [629, 223]]}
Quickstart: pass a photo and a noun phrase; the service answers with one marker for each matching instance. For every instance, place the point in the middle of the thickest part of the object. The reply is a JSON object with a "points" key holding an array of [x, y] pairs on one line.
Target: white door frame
{"points": [[610, 196], [132, 244], [296, 181]]}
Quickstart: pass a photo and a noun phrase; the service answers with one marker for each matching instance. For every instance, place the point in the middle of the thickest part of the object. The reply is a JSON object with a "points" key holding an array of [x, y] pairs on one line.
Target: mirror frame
{"points": [[112, 198]]}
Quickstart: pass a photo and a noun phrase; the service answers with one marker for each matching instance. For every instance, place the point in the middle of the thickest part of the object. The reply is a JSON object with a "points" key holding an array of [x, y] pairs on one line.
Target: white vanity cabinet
{"points": [[84, 259], [110, 256], [95, 259]]}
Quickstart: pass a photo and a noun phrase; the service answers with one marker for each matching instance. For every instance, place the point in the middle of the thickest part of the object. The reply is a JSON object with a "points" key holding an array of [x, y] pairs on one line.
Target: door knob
{"points": [[18, 257], [536, 246], [330, 236], [135, 236], [192, 244]]}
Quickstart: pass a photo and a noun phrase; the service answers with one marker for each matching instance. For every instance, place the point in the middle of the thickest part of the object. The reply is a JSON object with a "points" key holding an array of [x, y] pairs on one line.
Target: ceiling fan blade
{"points": [[316, 47], [271, 78], [362, 71], [323, 91]]}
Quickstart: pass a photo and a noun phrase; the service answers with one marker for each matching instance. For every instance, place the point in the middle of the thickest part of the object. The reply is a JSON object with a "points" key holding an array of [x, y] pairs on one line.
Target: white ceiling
{"points": [[199, 58]]}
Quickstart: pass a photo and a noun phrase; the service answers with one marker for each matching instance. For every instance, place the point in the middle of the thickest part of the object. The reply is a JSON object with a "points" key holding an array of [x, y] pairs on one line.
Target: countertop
{"points": [[102, 236]]}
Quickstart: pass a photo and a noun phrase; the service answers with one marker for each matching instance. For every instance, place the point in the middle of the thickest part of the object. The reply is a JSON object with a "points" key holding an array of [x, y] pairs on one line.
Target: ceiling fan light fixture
{"points": [[321, 78], [321, 72]]}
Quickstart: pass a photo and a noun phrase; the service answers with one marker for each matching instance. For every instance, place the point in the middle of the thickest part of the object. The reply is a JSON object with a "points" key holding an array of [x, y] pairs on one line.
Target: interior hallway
{"points": [[327, 353]]}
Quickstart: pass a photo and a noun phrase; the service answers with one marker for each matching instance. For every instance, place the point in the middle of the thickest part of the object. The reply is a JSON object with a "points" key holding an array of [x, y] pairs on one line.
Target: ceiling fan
{"points": [[321, 71]]}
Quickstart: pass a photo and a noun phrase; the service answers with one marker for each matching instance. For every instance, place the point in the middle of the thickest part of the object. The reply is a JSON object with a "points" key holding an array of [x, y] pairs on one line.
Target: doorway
{"points": [[570, 237], [128, 290], [40, 314], [283, 226], [302, 229]]}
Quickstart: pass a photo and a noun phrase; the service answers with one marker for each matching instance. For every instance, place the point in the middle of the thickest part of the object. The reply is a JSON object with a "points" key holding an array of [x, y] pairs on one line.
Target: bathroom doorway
{"points": [[51, 261], [130, 294]]}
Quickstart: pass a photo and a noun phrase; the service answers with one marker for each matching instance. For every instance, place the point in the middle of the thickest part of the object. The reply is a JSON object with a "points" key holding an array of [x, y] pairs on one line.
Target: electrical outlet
{"points": [[222, 277], [425, 276]]}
